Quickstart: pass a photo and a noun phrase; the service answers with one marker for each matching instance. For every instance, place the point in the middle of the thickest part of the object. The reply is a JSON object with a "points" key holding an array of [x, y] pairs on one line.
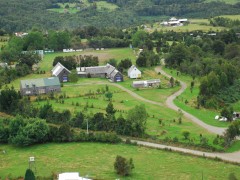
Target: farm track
{"points": [[170, 104], [231, 157]]}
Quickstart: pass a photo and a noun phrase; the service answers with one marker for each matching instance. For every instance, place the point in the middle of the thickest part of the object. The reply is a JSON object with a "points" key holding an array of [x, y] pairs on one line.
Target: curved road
{"points": [[232, 157], [170, 104]]}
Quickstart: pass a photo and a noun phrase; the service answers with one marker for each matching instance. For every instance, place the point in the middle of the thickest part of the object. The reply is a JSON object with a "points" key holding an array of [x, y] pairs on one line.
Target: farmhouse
{"points": [[134, 73], [107, 71], [61, 72], [40, 86], [146, 83]]}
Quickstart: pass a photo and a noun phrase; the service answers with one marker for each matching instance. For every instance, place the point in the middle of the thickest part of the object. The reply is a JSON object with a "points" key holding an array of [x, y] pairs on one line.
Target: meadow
{"points": [[73, 8], [226, 1], [96, 161]]}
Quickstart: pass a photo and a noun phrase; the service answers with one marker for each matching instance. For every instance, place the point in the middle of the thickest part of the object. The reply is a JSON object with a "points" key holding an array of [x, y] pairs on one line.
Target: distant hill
{"points": [[67, 14]]}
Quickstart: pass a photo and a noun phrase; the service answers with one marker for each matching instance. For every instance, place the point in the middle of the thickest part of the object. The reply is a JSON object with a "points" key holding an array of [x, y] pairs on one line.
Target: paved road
{"points": [[170, 104], [232, 157]]}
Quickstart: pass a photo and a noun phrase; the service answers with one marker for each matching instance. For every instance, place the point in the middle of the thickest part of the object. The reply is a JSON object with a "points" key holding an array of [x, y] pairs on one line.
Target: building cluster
{"points": [[60, 74], [174, 22], [108, 71]]}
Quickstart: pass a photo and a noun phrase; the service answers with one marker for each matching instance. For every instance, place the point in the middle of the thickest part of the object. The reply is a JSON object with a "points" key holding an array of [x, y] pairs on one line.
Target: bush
{"points": [[123, 166]]}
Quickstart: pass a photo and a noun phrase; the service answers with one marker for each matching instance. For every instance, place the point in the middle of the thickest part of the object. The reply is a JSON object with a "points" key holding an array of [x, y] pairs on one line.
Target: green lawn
{"points": [[103, 55], [72, 8], [203, 114], [96, 160], [103, 6]]}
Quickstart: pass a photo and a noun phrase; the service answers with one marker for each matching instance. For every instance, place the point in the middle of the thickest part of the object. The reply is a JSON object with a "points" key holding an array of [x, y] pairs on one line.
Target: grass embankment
{"points": [[96, 160]]}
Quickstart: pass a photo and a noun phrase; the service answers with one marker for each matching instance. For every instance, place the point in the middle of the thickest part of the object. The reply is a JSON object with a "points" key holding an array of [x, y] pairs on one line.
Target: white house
{"points": [[71, 176], [134, 73]]}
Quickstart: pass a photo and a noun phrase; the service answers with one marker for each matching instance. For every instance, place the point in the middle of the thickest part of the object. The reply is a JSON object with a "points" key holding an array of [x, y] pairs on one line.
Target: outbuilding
{"points": [[146, 83], [134, 72], [40, 86]]}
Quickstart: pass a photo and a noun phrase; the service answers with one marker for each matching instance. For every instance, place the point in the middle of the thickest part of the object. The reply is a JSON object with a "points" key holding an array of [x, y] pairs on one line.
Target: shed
{"points": [[134, 72], [146, 83]]}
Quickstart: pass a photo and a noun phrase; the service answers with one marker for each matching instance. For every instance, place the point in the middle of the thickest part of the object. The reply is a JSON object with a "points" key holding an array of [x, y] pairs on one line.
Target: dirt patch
{"points": [[102, 56]]}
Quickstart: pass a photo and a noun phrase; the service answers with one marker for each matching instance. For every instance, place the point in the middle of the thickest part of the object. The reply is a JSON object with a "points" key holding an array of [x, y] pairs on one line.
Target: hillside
{"points": [[62, 14]]}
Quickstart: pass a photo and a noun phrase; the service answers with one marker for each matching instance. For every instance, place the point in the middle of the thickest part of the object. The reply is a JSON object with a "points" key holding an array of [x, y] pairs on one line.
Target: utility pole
{"points": [[87, 125]]}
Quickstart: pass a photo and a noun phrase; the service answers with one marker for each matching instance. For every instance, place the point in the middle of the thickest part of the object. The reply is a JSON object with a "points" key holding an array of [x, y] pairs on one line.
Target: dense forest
{"points": [[23, 15]]}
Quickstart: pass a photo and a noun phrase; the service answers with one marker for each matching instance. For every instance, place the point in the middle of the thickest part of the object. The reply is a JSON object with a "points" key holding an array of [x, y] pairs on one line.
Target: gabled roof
{"points": [[132, 68], [113, 74], [41, 82], [58, 68], [110, 69]]}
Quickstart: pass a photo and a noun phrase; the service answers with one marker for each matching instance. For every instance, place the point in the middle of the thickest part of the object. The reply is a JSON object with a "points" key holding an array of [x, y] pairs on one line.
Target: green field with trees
{"points": [[96, 160]]}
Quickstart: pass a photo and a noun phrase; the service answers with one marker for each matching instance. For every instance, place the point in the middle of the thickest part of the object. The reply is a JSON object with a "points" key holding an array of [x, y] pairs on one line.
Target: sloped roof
{"points": [[58, 68], [41, 82], [147, 81], [113, 74], [96, 70], [110, 69], [132, 68]]}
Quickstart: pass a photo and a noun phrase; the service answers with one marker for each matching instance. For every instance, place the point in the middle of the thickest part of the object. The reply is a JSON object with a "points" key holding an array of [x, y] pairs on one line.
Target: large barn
{"points": [[107, 71], [40, 86]]}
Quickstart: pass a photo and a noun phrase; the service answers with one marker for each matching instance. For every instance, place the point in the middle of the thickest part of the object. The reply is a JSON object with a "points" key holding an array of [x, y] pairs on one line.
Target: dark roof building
{"points": [[61, 72], [40, 86], [107, 71]]}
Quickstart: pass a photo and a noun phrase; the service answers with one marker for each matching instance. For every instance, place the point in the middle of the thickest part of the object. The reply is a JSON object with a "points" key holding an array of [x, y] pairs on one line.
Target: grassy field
{"points": [[96, 160], [226, 1], [3, 41], [233, 17], [205, 115], [195, 24], [74, 7]]}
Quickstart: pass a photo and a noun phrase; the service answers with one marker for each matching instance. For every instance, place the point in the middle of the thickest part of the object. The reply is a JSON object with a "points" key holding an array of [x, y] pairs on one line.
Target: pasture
{"points": [[73, 8], [96, 161], [226, 1]]}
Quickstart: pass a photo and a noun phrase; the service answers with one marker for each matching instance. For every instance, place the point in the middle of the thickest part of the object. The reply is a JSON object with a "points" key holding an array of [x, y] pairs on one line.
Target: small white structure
{"points": [[71, 176], [146, 83], [68, 50], [174, 22], [133, 72]]}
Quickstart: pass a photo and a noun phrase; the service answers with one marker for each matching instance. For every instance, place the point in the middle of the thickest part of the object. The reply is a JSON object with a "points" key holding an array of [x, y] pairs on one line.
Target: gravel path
{"points": [[171, 105], [232, 157]]}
